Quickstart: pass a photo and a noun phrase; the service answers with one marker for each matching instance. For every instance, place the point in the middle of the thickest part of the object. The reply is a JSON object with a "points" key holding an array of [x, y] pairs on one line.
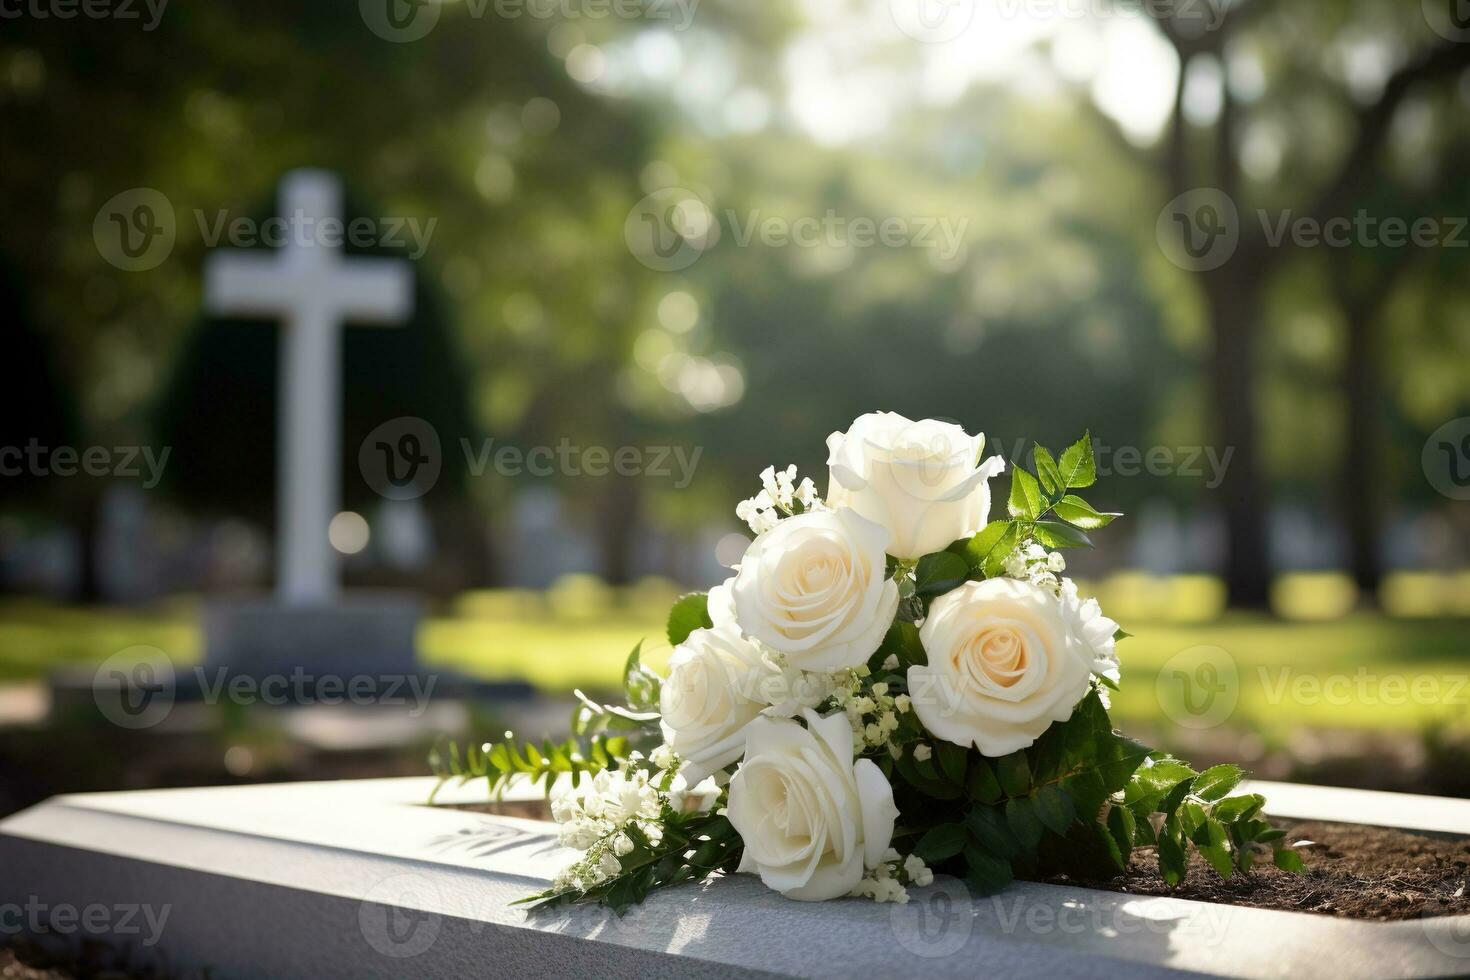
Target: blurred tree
{"points": [[38, 409], [1264, 37], [479, 124]]}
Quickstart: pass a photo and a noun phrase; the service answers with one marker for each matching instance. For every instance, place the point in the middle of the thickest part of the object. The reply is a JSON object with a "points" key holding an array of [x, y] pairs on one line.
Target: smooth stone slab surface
{"points": [[358, 635], [360, 879]]}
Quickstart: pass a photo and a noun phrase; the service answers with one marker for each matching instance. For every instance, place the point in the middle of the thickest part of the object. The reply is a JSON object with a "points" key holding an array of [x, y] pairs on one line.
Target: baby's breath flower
{"points": [[922, 752], [663, 757]]}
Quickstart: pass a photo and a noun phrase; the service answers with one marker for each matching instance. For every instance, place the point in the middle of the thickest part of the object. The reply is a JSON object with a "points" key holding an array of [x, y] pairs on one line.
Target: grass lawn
{"points": [[1360, 671]]}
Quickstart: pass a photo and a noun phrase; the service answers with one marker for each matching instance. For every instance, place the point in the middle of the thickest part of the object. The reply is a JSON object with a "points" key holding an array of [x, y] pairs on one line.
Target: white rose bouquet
{"points": [[891, 684]]}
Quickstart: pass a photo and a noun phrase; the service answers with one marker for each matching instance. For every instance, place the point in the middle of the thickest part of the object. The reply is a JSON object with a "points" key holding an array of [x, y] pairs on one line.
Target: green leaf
{"points": [[901, 641], [943, 841], [1055, 534], [1121, 634], [1288, 860], [1078, 467], [1055, 808], [987, 874], [1123, 828], [1216, 782], [981, 782], [1015, 774], [938, 573], [1210, 840], [995, 560], [1175, 797], [1046, 468], [924, 778], [690, 613], [1025, 501], [1078, 512], [1171, 858], [1151, 783], [991, 832], [952, 760], [1191, 815], [987, 551], [1024, 824], [1240, 807], [641, 686]]}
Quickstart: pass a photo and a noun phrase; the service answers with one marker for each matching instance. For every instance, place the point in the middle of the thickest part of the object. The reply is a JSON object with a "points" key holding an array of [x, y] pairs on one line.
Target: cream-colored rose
{"points": [[923, 481], [708, 699], [1003, 665], [721, 603], [811, 819], [814, 588]]}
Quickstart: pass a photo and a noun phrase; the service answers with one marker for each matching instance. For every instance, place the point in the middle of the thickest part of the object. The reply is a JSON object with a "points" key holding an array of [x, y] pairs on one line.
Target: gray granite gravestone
{"points": [[362, 879]]}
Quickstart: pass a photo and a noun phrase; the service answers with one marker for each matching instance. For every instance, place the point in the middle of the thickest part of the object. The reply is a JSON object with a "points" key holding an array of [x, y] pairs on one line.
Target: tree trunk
{"points": [[89, 539], [617, 520], [1233, 310], [1360, 467]]}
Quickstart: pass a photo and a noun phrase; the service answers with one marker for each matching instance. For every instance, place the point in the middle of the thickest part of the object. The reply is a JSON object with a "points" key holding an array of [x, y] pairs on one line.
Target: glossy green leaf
{"points": [[690, 613], [1055, 808], [1046, 469], [1014, 773], [1055, 534], [943, 841], [1216, 782], [1078, 467], [1078, 512], [938, 573], [1025, 500]]}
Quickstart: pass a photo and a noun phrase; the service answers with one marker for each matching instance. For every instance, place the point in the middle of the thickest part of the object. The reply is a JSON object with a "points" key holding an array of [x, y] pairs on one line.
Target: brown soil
{"points": [[1352, 872]]}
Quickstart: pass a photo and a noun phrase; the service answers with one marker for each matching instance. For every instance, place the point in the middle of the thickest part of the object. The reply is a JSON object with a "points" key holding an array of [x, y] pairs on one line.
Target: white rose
{"points": [[815, 589], [707, 699], [1003, 665], [811, 819], [721, 603], [1095, 631], [922, 480]]}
